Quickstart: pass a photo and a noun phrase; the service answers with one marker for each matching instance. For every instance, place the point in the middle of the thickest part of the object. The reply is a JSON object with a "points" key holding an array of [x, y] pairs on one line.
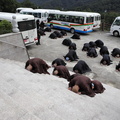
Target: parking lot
{"points": [[51, 49]]}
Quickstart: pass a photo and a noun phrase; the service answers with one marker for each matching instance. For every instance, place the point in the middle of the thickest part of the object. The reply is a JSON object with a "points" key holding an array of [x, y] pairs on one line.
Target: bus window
{"points": [[76, 20], [35, 14], [26, 25], [71, 18], [29, 13], [89, 19], [39, 15], [24, 13], [67, 18], [81, 20], [61, 17]]}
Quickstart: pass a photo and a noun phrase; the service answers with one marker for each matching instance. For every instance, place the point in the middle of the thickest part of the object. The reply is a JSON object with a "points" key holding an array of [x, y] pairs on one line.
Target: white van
{"points": [[115, 27], [24, 24], [40, 15]]}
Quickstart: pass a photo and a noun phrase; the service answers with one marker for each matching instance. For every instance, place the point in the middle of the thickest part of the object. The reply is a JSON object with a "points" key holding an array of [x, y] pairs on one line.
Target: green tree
{"points": [[5, 27], [8, 5], [27, 3]]}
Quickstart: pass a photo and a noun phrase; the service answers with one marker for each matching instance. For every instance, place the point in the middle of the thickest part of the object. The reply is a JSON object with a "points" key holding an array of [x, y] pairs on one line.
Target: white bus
{"points": [[22, 8], [115, 27], [96, 18], [73, 21], [24, 24], [40, 15]]}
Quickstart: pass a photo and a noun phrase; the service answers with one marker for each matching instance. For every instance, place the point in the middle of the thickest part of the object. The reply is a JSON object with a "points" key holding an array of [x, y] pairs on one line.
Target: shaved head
{"points": [[55, 72], [75, 88], [29, 67]]}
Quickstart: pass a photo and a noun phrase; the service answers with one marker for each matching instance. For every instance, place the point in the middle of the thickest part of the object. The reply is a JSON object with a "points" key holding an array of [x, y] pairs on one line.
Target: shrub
{"points": [[5, 27]]}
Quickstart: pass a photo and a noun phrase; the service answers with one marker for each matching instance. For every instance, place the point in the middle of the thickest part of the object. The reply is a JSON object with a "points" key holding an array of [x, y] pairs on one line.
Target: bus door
{"points": [[44, 16]]}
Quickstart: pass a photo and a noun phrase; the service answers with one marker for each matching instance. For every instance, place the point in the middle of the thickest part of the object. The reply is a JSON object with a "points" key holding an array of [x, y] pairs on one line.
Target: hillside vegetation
{"points": [[83, 5]]}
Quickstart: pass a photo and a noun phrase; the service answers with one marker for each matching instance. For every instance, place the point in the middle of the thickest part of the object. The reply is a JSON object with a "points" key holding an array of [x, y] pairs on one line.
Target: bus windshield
{"points": [[26, 25], [117, 22]]}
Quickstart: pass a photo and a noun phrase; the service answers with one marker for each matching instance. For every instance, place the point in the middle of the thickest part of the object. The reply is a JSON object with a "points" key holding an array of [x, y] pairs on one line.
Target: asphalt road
{"points": [[51, 49]]}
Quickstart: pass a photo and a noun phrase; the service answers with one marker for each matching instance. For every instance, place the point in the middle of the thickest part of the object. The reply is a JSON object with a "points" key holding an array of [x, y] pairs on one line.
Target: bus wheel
{"points": [[72, 30], [51, 25], [116, 33]]}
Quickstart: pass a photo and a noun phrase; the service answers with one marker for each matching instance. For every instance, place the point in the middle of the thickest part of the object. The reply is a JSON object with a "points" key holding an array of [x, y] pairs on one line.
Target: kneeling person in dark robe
{"points": [[58, 34], [72, 46], [92, 52], [53, 36], [64, 33], [81, 85], [118, 67], [92, 44], [86, 47], [66, 42], [81, 67], [104, 50], [47, 29], [106, 60], [76, 36], [58, 62], [116, 52], [99, 43], [71, 56], [61, 71], [37, 65]]}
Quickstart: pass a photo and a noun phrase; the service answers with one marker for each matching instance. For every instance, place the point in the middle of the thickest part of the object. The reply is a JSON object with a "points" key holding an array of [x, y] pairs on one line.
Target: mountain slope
{"points": [[83, 5]]}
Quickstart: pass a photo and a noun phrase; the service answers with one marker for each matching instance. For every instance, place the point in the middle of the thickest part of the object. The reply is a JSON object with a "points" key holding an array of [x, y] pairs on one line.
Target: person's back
{"points": [[37, 66], [53, 36], [92, 52], [66, 42], [61, 71], [86, 47], [84, 84], [92, 44], [76, 36], [115, 52], [118, 67], [104, 50], [81, 67], [58, 62], [106, 60], [72, 46], [71, 55], [99, 43]]}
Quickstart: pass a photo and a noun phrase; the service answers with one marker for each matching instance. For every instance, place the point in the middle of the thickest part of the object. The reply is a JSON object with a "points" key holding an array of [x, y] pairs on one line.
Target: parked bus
{"points": [[96, 18], [115, 27], [40, 15], [81, 22], [22, 8], [24, 24]]}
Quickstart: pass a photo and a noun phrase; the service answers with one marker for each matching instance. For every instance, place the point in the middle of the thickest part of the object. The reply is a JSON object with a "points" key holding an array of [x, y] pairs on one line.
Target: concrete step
{"points": [[46, 97], [10, 110]]}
